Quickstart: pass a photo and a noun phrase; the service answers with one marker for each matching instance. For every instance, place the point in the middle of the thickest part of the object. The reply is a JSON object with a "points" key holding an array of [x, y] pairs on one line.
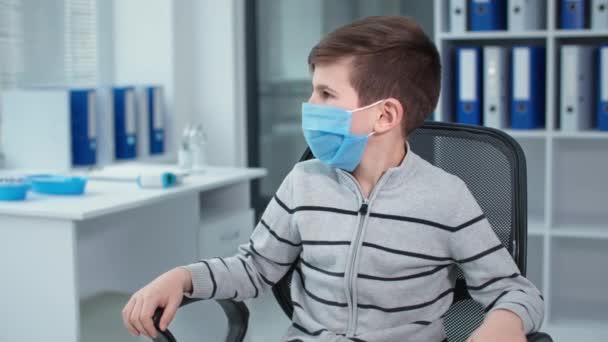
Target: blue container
{"points": [[13, 190], [58, 185]]}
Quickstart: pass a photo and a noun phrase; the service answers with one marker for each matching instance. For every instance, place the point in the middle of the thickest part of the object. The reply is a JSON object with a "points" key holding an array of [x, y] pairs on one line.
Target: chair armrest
{"points": [[236, 312], [539, 337]]}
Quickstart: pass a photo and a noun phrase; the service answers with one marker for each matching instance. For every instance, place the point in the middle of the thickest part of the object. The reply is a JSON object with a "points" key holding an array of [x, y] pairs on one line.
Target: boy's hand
{"points": [[166, 292], [500, 326]]}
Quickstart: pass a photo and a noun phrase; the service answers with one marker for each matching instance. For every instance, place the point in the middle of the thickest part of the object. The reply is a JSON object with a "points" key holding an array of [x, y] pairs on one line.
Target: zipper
{"points": [[350, 272], [350, 330]]}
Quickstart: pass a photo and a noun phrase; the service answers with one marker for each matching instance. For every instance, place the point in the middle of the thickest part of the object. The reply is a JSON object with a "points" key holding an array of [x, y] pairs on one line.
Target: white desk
{"points": [[56, 251]]}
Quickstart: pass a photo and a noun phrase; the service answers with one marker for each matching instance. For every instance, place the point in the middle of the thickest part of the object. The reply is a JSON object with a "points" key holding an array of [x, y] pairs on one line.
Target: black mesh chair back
{"points": [[493, 166]]}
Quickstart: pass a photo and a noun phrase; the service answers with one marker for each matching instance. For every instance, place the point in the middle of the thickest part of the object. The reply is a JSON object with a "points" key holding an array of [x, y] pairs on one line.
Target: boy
{"points": [[365, 221]]}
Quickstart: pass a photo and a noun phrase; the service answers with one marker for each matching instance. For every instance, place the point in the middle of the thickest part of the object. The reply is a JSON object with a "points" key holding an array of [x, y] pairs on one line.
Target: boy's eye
{"points": [[325, 94]]}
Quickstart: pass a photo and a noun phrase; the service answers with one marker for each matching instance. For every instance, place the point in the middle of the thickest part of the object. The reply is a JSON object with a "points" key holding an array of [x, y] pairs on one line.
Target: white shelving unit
{"points": [[567, 186]]}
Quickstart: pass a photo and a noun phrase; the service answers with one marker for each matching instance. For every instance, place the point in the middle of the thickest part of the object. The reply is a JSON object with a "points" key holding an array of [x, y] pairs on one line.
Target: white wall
{"points": [[195, 49], [220, 76]]}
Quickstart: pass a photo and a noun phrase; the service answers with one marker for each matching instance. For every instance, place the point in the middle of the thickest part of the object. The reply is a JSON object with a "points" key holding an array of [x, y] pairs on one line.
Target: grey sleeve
{"points": [[493, 279], [273, 247]]}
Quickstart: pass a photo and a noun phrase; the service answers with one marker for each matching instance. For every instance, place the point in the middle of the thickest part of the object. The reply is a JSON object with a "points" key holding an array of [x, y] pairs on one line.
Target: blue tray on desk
{"points": [[13, 189], [58, 184]]}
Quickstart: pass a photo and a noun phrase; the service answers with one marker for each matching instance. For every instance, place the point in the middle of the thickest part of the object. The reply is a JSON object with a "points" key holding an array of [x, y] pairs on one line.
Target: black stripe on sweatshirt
{"points": [[489, 307], [410, 254], [265, 258], [371, 277], [223, 262], [315, 297], [212, 279], [273, 233], [481, 255], [491, 281], [428, 223], [315, 208], [309, 333], [261, 275], [333, 274], [270, 283], [407, 277], [325, 243], [408, 307], [422, 323], [250, 279]]}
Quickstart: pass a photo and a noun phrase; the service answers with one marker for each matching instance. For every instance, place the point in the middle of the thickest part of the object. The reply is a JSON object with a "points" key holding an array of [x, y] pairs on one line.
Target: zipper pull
{"points": [[363, 209]]}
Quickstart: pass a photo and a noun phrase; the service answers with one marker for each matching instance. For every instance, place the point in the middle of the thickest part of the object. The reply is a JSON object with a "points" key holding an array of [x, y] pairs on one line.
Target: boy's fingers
{"points": [[126, 314], [135, 317], [169, 314], [145, 318]]}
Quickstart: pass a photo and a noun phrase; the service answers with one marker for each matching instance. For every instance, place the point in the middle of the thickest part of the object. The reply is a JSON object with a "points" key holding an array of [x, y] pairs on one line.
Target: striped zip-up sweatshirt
{"points": [[380, 268]]}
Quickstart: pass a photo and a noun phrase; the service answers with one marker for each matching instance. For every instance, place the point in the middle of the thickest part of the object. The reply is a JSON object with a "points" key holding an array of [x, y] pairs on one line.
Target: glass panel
{"points": [[286, 31]]}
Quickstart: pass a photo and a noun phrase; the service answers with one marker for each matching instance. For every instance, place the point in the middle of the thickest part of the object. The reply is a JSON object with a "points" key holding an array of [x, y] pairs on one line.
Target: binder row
{"points": [[501, 87], [132, 118], [525, 15]]}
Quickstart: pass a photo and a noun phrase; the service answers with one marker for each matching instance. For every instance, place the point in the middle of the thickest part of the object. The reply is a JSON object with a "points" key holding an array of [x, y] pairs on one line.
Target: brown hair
{"points": [[392, 57]]}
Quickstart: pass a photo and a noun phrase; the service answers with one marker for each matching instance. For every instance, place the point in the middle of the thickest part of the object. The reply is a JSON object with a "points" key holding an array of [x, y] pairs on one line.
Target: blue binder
{"points": [[574, 14], [156, 115], [528, 87], [602, 88], [468, 85], [487, 15], [125, 125], [83, 127]]}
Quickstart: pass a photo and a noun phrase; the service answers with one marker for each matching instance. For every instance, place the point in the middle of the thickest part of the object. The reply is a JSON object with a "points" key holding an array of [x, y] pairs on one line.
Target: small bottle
{"points": [[198, 144], [184, 157]]}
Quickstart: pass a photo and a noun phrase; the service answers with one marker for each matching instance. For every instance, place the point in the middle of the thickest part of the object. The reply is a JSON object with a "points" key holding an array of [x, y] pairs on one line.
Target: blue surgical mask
{"points": [[327, 133]]}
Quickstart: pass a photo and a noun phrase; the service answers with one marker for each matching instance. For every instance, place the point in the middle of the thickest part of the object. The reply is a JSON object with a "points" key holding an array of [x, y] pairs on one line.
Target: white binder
{"points": [[526, 15], [143, 123], [576, 94], [599, 15], [496, 85], [458, 16]]}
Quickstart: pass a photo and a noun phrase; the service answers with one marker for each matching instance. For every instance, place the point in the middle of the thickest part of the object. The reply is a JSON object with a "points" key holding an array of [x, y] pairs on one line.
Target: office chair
{"points": [[493, 166]]}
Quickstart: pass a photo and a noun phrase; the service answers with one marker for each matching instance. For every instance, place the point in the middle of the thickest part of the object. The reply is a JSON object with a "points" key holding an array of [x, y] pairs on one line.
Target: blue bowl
{"points": [[58, 185], [13, 191]]}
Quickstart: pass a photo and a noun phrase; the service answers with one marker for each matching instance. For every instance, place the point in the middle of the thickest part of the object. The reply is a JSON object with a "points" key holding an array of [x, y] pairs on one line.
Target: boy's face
{"points": [[331, 87]]}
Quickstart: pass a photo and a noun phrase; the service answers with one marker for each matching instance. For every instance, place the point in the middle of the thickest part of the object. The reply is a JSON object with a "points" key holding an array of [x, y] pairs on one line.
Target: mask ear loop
{"points": [[366, 107]]}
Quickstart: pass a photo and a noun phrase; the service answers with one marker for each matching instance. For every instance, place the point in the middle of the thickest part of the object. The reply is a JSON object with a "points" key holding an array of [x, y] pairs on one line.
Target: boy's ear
{"points": [[391, 115]]}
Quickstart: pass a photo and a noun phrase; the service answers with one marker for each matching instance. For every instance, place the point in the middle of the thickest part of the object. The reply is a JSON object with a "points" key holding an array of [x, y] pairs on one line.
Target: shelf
{"points": [[577, 331], [580, 231], [581, 135], [493, 35], [581, 34], [533, 133]]}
